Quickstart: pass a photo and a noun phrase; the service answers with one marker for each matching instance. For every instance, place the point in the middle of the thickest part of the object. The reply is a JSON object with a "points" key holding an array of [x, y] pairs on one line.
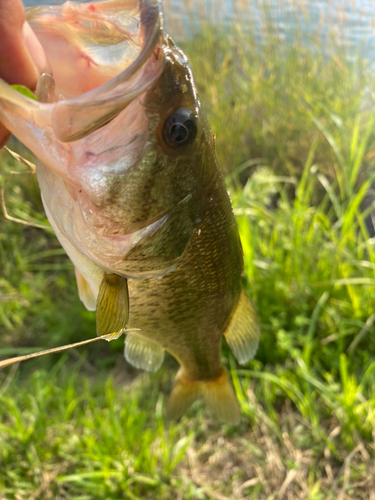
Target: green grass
{"points": [[298, 150], [81, 438]]}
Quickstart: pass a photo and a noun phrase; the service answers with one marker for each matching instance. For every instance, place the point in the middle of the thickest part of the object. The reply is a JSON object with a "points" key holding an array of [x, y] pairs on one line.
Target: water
{"points": [[351, 23], [31, 3]]}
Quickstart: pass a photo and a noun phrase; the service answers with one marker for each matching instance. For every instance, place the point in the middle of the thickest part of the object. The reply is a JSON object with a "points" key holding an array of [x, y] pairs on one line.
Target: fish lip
{"points": [[74, 118], [152, 25]]}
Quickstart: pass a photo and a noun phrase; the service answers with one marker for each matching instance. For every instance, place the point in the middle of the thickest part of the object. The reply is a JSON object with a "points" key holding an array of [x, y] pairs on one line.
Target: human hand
{"points": [[22, 58]]}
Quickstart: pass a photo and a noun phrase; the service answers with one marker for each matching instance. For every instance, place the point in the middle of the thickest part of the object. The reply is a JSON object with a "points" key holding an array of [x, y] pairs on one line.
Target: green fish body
{"points": [[132, 187]]}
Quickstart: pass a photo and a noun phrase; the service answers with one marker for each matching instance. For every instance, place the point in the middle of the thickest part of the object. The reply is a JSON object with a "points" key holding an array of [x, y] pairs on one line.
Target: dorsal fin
{"points": [[242, 333]]}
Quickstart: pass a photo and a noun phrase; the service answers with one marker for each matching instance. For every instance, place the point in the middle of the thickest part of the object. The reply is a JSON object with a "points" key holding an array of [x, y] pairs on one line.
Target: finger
{"points": [[16, 64], [35, 50], [22, 58], [4, 135]]}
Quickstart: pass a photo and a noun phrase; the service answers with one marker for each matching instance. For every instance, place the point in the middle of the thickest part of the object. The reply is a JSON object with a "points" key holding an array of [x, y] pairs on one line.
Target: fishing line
{"points": [[18, 359]]}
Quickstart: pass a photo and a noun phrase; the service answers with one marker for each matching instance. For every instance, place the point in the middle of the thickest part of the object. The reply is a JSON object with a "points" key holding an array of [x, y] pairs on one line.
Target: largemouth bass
{"points": [[132, 187]]}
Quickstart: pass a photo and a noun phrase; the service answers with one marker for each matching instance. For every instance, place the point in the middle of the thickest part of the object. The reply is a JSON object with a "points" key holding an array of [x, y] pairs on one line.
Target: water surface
{"points": [[351, 23]]}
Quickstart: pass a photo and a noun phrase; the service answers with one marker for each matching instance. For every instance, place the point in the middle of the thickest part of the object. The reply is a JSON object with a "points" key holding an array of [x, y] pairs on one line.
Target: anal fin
{"points": [[143, 353], [217, 393], [112, 307], [242, 333]]}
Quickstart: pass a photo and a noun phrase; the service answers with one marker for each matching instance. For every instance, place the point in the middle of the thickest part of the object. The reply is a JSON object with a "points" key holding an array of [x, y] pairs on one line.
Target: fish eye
{"points": [[180, 128]]}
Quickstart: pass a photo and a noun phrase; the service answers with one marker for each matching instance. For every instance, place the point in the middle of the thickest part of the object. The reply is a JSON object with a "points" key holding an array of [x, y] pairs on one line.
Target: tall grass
{"points": [[293, 114]]}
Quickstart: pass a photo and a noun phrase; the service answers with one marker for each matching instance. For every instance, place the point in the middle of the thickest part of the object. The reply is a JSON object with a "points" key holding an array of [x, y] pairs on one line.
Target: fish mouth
{"points": [[102, 56]]}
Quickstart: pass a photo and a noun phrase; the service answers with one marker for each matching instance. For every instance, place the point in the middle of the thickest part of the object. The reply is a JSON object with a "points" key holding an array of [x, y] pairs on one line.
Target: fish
{"points": [[132, 187]]}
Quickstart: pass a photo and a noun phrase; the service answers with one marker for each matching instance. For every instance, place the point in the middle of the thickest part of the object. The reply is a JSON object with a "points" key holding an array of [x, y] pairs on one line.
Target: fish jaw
{"points": [[86, 136], [76, 109], [89, 45]]}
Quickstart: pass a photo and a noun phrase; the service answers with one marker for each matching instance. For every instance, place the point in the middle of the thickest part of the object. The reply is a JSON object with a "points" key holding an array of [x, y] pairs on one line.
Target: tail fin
{"points": [[218, 395]]}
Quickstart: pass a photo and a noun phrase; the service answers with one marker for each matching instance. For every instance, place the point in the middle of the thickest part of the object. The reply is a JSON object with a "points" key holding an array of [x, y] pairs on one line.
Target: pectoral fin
{"points": [[242, 333], [85, 293], [164, 241], [112, 307], [143, 353]]}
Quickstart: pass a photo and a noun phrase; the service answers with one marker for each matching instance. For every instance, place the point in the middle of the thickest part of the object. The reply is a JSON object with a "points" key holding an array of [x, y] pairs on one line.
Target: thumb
{"points": [[22, 58]]}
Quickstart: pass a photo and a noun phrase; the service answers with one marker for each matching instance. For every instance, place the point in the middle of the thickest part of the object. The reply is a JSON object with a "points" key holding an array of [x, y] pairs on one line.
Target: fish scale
{"points": [[199, 296], [132, 187]]}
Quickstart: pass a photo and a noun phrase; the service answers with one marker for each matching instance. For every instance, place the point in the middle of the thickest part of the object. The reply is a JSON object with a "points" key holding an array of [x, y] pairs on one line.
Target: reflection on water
{"points": [[31, 3], [350, 22]]}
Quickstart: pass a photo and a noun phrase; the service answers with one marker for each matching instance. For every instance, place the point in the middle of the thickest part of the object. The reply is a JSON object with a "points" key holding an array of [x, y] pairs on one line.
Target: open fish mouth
{"points": [[97, 43], [102, 55], [94, 133], [101, 58], [89, 126]]}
